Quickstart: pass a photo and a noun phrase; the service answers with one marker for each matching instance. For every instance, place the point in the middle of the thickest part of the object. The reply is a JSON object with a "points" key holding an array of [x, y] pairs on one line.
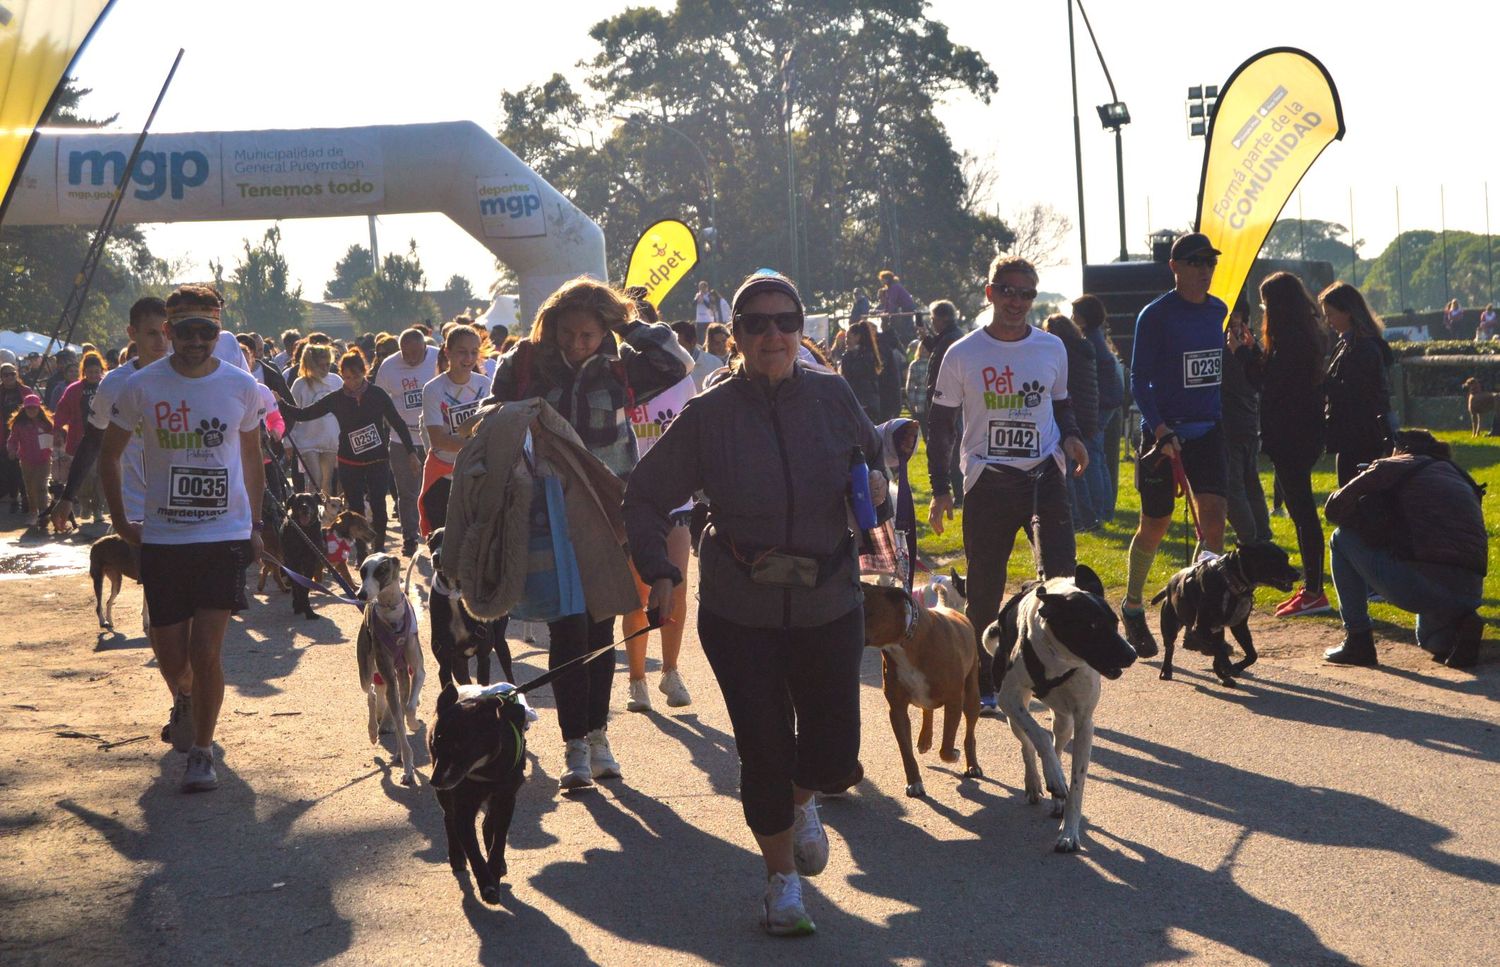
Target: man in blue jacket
{"points": [[1175, 371]]}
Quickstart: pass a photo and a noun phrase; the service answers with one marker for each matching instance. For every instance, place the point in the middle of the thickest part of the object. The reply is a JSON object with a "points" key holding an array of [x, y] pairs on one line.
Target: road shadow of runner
{"points": [[711, 750]]}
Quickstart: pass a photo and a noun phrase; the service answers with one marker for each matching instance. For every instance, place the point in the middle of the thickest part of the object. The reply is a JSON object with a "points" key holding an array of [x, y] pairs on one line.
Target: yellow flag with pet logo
{"points": [[663, 255], [39, 39]]}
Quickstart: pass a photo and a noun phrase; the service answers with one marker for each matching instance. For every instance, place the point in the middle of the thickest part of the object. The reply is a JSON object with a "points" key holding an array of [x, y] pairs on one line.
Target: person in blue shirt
{"points": [[1175, 370]]}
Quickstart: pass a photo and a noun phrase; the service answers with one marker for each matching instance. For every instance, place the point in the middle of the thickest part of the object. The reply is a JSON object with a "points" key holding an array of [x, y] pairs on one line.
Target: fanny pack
{"points": [[774, 567]]}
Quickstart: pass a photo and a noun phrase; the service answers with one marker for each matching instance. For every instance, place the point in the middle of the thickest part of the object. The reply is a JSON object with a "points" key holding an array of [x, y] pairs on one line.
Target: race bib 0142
{"points": [[198, 488], [365, 439], [1014, 439], [1202, 368]]}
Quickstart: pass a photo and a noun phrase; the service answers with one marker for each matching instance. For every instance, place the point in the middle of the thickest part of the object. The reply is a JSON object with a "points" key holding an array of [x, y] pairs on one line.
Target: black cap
{"points": [[1192, 244], [765, 282]]}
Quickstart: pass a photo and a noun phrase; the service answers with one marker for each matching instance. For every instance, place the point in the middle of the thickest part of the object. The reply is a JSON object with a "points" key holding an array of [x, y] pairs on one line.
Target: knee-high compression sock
{"points": [[1140, 566]]}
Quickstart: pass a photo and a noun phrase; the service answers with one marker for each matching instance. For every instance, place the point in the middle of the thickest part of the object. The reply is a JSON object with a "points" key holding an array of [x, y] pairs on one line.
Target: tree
{"points": [[395, 298], [1038, 232], [347, 271], [259, 299], [1310, 238], [1419, 254]]}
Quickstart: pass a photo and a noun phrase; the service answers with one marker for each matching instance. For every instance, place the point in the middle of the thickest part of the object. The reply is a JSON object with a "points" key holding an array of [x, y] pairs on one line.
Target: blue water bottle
{"points": [[859, 490]]}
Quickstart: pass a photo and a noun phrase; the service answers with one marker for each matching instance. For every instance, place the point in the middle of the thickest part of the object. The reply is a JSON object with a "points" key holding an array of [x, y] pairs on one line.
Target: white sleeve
{"points": [[100, 410], [125, 411], [1060, 384], [949, 388], [255, 410], [432, 404]]}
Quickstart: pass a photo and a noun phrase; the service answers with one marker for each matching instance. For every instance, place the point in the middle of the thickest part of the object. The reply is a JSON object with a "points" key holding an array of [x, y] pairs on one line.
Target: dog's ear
{"points": [[447, 697], [1087, 580], [1041, 592], [958, 582]]}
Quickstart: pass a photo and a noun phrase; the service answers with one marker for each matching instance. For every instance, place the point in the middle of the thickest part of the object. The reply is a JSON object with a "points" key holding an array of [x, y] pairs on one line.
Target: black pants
{"points": [[1346, 465], [1000, 504], [582, 695], [793, 699], [1294, 478], [366, 480], [10, 477]]}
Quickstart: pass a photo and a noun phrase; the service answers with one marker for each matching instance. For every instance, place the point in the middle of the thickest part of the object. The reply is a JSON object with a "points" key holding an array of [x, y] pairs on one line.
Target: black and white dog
{"points": [[456, 635], [1058, 636], [390, 655], [478, 747], [1216, 594]]}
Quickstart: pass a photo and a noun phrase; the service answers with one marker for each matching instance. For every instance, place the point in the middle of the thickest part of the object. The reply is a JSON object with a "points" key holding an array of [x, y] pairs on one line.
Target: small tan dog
{"points": [[1480, 402], [929, 660]]}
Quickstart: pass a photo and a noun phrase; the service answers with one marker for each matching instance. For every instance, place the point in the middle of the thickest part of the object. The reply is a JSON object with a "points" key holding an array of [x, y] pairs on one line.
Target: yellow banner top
{"points": [[1276, 114], [663, 256]]}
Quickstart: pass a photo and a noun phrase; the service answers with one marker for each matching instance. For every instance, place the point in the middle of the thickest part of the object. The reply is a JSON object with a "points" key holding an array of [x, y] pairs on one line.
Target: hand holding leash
{"points": [[1078, 453], [660, 600]]}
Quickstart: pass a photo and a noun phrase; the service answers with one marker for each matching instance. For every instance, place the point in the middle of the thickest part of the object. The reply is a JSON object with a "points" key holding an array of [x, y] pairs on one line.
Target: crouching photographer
{"points": [[1410, 527]]}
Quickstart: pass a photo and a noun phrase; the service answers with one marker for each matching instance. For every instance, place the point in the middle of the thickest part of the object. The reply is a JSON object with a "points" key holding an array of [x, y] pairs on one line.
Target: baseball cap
{"points": [[765, 281], [1192, 244], [31, 399]]}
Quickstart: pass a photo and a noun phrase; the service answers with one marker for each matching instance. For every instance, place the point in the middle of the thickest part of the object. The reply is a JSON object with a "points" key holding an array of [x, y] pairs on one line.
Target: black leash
{"points": [[574, 663], [315, 548]]}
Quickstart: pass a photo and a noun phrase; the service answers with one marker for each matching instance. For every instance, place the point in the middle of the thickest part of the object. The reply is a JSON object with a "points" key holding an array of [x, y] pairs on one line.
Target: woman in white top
{"points": [[449, 400], [317, 440]]}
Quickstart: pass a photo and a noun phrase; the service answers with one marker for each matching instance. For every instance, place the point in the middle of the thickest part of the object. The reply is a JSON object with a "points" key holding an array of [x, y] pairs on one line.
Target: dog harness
{"points": [[1040, 683], [390, 638], [338, 547], [1237, 584]]}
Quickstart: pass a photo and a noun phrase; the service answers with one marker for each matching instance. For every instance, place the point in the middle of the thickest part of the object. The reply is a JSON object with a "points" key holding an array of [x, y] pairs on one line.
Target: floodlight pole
{"points": [[1083, 243]]}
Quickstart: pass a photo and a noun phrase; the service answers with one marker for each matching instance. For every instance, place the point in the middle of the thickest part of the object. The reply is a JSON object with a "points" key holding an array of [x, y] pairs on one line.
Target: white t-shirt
{"points": [[703, 307], [195, 489], [1006, 391], [449, 405], [705, 366], [403, 384], [132, 474], [650, 420], [320, 435]]}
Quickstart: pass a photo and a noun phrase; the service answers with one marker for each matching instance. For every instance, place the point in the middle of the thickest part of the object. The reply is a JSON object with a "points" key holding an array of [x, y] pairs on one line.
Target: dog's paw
{"points": [[948, 755], [374, 735], [916, 791], [1067, 843], [408, 779], [412, 722], [1033, 792], [1166, 675], [924, 746], [973, 772], [1057, 806], [490, 893]]}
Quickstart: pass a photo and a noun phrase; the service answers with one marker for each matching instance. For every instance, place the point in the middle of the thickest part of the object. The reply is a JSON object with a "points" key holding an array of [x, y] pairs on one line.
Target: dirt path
{"points": [[1315, 815]]}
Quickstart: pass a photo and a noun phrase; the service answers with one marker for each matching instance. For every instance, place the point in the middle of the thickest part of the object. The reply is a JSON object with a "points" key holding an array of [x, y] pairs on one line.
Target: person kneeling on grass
{"points": [[1411, 527]]}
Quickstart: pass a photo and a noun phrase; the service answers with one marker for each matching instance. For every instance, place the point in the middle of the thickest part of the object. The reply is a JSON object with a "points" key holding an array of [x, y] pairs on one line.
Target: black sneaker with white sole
{"points": [[1138, 633]]}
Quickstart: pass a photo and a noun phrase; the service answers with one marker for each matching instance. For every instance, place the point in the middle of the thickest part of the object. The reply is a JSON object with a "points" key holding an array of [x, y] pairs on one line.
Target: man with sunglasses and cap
{"points": [[1176, 368], [204, 481], [1011, 382]]}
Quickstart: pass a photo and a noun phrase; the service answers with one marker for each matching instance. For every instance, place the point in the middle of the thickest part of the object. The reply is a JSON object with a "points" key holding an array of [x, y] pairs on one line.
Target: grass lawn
{"points": [[1106, 550]]}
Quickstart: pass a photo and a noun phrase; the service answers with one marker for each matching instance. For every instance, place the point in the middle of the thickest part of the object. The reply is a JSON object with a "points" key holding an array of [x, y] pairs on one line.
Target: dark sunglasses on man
{"points": [[1015, 291], [1202, 261], [756, 323], [203, 330]]}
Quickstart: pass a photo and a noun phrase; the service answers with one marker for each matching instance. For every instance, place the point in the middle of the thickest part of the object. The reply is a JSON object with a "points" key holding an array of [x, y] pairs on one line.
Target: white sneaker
{"points": [[576, 774], [676, 692], [640, 698], [200, 775], [809, 839], [782, 912], [601, 760]]}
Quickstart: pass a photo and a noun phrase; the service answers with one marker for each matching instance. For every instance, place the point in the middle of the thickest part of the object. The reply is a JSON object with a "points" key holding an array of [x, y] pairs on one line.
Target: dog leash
{"points": [[309, 583], [1185, 488], [574, 663], [316, 550]]}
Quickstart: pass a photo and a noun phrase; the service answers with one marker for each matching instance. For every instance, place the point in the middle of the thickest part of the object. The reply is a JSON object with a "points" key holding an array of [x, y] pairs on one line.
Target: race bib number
{"points": [[199, 488], [413, 399], [365, 440], [461, 414], [1202, 368], [1014, 439]]}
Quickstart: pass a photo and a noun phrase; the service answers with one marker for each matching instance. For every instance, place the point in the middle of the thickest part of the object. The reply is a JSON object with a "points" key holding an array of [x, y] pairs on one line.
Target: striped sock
{"points": [[1140, 566]]}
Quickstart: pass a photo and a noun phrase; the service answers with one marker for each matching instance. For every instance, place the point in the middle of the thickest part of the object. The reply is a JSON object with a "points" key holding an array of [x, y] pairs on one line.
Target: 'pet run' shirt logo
{"points": [[174, 429], [1001, 393]]}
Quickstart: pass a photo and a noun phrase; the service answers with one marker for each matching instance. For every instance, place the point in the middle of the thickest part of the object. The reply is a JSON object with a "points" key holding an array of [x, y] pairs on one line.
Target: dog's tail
{"points": [[940, 592], [991, 638], [1160, 596]]}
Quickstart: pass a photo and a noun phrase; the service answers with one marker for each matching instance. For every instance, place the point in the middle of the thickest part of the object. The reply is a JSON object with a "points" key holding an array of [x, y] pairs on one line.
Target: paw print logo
{"points": [[213, 432], [666, 418], [1033, 393]]}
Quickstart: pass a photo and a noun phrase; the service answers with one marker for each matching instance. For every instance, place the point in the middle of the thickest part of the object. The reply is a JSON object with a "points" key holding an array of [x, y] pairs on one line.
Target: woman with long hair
{"points": [[1083, 391], [317, 441], [72, 417], [30, 444], [1358, 395], [1289, 374], [449, 400], [1103, 473], [862, 366]]}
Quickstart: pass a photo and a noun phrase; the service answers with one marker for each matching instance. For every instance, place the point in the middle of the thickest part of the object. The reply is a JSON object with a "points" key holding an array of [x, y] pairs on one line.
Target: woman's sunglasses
{"points": [[756, 323]]}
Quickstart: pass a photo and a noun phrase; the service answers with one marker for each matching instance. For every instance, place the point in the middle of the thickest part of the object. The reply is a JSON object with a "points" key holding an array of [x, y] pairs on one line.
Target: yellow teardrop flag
{"points": [[38, 40], [663, 255], [1276, 114]]}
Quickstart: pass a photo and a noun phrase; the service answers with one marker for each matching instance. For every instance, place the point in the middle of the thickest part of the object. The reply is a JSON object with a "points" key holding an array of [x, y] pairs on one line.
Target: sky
{"points": [[1417, 105]]}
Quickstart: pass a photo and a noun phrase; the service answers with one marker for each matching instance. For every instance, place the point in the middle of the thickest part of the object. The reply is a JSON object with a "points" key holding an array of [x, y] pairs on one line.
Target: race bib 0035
{"points": [[198, 488], [462, 413], [365, 439], [1014, 439], [1202, 368]]}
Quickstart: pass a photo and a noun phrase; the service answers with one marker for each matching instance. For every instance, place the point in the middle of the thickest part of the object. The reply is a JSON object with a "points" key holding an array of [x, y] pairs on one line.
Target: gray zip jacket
{"points": [[773, 463]]}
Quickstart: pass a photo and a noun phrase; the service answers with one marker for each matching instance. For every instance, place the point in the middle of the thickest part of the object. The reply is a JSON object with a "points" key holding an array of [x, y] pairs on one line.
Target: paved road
{"points": [[1315, 815]]}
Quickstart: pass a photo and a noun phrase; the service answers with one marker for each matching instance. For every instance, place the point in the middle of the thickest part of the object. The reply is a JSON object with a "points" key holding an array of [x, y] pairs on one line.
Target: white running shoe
{"points": [[640, 698], [180, 726], [576, 774], [200, 775], [676, 692], [782, 912], [601, 759], [809, 839]]}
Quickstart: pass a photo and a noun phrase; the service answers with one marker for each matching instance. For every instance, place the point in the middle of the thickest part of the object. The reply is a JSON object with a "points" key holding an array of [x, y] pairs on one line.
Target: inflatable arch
{"points": [[455, 168]]}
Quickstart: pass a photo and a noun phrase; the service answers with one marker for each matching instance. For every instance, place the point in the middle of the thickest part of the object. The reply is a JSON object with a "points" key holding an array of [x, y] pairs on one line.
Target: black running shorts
{"points": [[181, 579], [1204, 460]]}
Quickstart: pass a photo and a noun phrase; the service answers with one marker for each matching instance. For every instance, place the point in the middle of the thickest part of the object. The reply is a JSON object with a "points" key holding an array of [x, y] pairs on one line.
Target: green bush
{"points": [[1445, 347]]}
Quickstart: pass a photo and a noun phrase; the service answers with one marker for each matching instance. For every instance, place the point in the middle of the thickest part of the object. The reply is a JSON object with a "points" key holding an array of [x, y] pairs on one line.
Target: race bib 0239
{"points": [[198, 488], [1014, 439], [365, 439], [1202, 368]]}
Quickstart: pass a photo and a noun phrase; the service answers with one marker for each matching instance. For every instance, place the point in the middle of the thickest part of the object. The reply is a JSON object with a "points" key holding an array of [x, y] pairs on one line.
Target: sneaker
{"points": [[988, 705], [1138, 633], [1306, 602], [809, 839], [676, 692], [576, 774], [200, 776], [1288, 602], [782, 912], [1470, 632], [640, 698], [602, 761], [180, 725], [1375, 597]]}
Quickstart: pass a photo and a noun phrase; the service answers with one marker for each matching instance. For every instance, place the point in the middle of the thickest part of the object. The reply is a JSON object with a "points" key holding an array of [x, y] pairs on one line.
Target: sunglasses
{"points": [[756, 323], [1201, 261], [1014, 292], [201, 331]]}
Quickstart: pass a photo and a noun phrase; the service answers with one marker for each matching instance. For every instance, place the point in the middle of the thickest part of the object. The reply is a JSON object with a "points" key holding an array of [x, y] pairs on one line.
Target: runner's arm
{"points": [[114, 441], [255, 472], [941, 423], [1066, 419], [1142, 353], [397, 422], [317, 408]]}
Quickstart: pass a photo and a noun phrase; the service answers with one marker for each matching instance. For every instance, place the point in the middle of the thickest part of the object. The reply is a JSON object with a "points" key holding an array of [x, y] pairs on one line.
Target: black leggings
{"points": [[361, 480], [793, 699], [582, 695], [1294, 478]]}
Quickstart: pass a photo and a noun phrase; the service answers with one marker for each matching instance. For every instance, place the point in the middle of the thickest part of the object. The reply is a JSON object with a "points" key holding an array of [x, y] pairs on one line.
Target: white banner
{"points": [[301, 173], [510, 207]]}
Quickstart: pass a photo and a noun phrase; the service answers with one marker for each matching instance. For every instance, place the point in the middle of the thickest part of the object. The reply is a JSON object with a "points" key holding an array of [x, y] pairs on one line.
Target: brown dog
{"points": [[348, 526], [1479, 402], [269, 566], [111, 556], [928, 659]]}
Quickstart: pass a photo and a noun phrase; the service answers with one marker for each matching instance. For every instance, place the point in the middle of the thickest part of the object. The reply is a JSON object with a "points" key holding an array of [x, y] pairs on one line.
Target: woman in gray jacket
{"points": [[780, 609]]}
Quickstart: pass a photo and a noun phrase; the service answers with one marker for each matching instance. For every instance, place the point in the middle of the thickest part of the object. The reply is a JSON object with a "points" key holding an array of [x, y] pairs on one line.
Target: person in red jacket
{"points": [[29, 442], [73, 410]]}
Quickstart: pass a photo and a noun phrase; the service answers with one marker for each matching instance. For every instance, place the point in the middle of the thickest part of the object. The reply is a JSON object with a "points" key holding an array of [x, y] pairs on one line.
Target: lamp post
{"points": [[1083, 241], [1114, 116], [708, 171]]}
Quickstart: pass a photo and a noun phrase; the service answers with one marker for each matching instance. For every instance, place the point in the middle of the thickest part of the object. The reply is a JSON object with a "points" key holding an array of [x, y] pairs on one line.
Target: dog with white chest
{"points": [[1060, 637], [391, 672]]}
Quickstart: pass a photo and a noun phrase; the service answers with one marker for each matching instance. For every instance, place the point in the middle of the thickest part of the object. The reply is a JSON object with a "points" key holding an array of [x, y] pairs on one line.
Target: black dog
{"points": [[458, 636], [478, 748], [303, 513], [1213, 595]]}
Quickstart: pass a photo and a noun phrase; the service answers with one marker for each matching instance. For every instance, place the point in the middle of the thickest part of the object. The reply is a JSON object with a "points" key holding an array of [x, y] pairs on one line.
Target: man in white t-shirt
{"points": [[199, 420], [402, 376], [1011, 382]]}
